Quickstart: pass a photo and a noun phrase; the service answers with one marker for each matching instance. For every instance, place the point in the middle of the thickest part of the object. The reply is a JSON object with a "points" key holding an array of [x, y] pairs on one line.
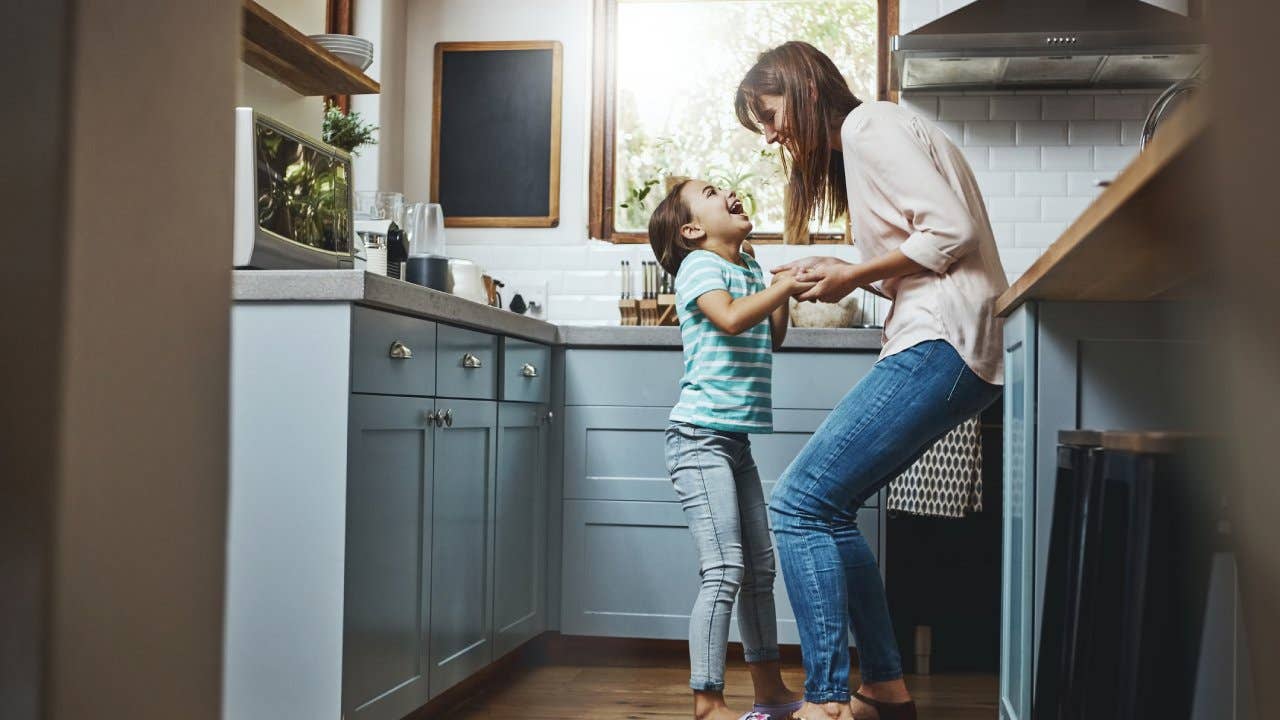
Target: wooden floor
{"points": [[598, 692]]}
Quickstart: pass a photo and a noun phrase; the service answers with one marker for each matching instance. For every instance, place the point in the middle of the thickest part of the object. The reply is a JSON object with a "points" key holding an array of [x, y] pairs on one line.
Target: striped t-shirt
{"points": [[727, 378]]}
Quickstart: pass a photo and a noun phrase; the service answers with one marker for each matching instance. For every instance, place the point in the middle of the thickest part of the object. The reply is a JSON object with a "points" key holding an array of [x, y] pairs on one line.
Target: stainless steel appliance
{"points": [[293, 201], [1025, 44]]}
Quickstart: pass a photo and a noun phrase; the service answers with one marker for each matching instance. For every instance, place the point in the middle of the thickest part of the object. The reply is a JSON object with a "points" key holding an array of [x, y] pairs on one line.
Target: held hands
{"points": [[826, 279], [793, 286]]}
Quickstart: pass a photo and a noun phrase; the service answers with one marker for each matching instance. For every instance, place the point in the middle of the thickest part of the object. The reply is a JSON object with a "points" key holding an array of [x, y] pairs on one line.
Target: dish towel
{"points": [[947, 480]]}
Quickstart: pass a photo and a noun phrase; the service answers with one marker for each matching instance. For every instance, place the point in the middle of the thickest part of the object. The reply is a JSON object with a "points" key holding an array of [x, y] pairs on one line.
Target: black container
{"points": [[428, 271]]}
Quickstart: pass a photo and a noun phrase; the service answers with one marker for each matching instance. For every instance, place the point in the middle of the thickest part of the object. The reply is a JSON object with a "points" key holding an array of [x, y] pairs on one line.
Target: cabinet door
{"points": [[462, 542], [1019, 514], [520, 530], [630, 570], [387, 561]]}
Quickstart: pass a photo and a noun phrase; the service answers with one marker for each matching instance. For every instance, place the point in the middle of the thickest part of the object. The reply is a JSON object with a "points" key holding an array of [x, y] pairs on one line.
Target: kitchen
{"points": [[553, 422]]}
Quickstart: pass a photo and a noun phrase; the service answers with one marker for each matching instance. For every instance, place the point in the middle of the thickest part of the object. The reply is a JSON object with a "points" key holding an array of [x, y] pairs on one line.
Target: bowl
{"points": [[354, 51]]}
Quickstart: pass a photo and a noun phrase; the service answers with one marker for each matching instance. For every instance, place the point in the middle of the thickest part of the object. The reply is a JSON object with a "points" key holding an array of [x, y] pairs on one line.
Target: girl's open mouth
{"points": [[735, 208]]}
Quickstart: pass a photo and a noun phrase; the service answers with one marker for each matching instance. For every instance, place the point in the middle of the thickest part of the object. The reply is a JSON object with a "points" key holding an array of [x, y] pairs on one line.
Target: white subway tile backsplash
{"points": [[988, 132], [1015, 107], [565, 256], [1063, 208], [1038, 234], [1017, 260], [1066, 158], [583, 309], [979, 157], [953, 130], [1085, 184], [1041, 132], [1041, 184], [925, 106], [1122, 107], [963, 108], [1067, 107], [1015, 158], [949, 6], [1113, 158], [1094, 132], [995, 184], [1005, 233], [1131, 132], [593, 282], [1013, 209]]}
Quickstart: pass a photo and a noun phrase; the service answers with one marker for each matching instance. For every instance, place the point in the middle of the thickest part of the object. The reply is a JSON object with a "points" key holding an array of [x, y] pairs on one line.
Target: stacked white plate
{"points": [[354, 51]]}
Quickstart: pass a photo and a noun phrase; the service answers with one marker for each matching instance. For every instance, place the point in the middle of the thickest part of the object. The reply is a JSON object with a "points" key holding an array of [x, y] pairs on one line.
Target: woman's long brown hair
{"points": [[817, 99]]}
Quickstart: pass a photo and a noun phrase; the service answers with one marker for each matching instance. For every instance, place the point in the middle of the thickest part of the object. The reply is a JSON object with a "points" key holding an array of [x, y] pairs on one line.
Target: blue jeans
{"points": [[907, 401], [719, 488]]}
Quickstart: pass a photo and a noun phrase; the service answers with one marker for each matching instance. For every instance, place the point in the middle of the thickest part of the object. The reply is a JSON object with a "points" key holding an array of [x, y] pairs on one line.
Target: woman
{"points": [[926, 244]]}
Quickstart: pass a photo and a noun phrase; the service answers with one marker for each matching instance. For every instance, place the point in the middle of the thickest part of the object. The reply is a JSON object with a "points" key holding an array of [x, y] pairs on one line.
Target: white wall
{"points": [[382, 166], [1036, 155], [271, 96]]}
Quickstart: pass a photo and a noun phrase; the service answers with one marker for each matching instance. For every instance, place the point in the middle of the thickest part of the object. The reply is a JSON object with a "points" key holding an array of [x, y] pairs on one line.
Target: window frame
{"points": [[604, 123]]}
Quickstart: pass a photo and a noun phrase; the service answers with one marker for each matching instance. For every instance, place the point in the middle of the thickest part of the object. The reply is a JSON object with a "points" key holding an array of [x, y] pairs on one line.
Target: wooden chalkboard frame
{"points": [[552, 219]]}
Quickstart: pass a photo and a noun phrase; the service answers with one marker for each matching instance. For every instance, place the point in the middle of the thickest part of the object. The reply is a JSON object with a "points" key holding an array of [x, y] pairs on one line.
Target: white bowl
{"points": [[356, 60]]}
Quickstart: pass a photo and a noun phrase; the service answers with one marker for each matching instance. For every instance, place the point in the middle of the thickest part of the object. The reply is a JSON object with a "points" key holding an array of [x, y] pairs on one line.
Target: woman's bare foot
{"points": [[766, 678], [710, 705], [892, 691]]}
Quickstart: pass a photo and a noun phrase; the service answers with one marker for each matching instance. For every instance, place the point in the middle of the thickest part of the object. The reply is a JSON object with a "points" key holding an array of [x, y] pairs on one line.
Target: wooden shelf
{"points": [[278, 50], [1141, 238]]}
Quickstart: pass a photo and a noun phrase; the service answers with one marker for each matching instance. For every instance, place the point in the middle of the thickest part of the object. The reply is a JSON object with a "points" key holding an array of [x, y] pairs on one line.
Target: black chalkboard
{"points": [[495, 158]]}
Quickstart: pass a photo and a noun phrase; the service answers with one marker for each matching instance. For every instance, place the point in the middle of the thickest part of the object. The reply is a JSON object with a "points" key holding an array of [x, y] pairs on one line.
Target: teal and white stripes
{"points": [[727, 383]]}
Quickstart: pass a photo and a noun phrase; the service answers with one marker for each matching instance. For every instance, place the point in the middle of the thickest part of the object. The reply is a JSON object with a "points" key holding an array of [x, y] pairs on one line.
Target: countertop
{"points": [[357, 286]]}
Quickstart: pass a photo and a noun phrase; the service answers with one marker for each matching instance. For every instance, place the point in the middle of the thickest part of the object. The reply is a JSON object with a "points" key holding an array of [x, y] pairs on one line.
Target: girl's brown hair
{"points": [[817, 100], [669, 245]]}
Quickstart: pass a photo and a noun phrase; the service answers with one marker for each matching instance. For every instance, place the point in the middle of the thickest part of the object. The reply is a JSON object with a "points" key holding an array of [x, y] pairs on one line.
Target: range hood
{"points": [[1041, 44]]}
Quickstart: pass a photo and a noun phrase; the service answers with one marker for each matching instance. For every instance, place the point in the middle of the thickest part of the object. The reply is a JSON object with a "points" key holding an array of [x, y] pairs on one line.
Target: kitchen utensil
{"points": [[491, 289], [467, 280], [424, 222], [428, 271]]}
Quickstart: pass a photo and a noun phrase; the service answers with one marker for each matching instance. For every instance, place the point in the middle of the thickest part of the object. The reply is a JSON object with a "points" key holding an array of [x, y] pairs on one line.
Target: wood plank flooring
{"points": [[648, 690]]}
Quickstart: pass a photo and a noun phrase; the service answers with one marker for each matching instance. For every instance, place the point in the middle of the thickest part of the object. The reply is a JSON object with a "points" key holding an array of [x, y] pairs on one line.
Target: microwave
{"points": [[293, 198]]}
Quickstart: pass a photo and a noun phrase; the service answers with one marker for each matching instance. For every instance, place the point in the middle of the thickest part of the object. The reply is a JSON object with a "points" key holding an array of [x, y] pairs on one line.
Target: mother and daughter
{"points": [[927, 245]]}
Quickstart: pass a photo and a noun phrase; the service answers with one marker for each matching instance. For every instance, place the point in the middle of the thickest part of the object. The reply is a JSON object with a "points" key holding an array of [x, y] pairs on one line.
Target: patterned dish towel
{"points": [[947, 480]]}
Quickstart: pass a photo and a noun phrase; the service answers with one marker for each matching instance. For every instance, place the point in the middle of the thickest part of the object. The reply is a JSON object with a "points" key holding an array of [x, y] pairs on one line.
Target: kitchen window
{"points": [[665, 73]]}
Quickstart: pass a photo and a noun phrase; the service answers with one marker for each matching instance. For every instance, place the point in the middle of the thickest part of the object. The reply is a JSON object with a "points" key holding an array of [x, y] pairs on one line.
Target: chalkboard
{"points": [[495, 145]]}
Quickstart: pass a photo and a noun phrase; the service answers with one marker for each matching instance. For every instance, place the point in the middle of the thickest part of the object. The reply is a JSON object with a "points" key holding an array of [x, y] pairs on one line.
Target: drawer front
{"points": [[651, 378], [526, 371], [466, 364], [392, 354]]}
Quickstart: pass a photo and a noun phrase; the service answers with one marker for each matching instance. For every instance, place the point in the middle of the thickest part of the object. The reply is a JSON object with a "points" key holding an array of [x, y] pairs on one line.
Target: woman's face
{"points": [[774, 120]]}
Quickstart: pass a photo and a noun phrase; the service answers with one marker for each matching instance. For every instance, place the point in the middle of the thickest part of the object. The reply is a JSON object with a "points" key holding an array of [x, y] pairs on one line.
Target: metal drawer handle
{"points": [[448, 418], [400, 351], [471, 362], [551, 416], [431, 417], [528, 370]]}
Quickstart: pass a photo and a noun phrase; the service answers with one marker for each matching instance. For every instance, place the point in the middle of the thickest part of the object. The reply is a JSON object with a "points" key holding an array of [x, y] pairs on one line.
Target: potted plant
{"points": [[347, 130]]}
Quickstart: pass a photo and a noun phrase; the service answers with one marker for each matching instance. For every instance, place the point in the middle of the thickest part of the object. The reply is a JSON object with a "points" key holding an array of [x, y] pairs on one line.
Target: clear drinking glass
{"points": [[380, 205]]}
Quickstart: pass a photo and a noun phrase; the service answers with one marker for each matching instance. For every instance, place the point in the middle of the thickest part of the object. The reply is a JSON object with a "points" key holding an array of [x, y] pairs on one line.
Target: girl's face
{"points": [[774, 121], [716, 213]]}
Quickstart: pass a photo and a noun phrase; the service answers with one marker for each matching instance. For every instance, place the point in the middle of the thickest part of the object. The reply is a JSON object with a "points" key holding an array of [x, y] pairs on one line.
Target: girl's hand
{"points": [[828, 283], [792, 285]]}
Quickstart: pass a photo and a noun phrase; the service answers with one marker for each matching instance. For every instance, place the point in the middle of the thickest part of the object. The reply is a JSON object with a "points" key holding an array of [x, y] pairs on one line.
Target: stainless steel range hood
{"points": [[1039, 44]]}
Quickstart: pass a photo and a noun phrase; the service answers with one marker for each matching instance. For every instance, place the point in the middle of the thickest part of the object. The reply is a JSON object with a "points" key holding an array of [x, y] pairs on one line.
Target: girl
{"points": [[730, 323]]}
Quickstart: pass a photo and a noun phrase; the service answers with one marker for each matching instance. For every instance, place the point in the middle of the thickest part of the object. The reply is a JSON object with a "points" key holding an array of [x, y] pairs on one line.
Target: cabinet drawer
{"points": [[466, 364], [623, 377], [392, 354], [526, 371], [817, 381]]}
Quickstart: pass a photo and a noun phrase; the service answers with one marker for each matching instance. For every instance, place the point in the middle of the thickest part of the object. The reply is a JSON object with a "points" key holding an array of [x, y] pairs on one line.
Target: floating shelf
{"points": [[1142, 238], [278, 50]]}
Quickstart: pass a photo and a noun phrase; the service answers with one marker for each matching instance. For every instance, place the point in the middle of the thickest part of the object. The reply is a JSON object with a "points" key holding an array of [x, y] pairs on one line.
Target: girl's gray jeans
{"points": [[719, 488]]}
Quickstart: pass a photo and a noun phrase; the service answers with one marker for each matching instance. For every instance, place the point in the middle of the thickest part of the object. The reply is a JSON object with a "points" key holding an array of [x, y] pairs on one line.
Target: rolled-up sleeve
{"points": [[898, 164]]}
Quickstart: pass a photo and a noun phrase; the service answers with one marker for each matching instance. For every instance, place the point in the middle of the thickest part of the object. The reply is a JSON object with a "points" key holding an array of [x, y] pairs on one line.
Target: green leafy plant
{"points": [[347, 130]]}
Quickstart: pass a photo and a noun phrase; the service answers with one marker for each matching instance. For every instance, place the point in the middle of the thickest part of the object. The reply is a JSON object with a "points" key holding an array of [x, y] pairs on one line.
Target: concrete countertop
{"points": [[357, 286]]}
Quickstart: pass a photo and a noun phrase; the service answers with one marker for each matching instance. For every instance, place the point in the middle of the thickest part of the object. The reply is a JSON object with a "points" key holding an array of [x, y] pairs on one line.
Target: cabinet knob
{"points": [[431, 417], [528, 370], [471, 362], [400, 351], [550, 417], [448, 417]]}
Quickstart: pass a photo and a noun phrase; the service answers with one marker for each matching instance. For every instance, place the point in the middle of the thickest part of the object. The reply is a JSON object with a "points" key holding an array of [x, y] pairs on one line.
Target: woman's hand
{"points": [[793, 285], [829, 282], [812, 262]]}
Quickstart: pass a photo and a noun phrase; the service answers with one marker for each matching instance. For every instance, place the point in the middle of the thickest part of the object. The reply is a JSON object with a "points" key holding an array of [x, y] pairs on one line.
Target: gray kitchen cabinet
{"points": [[520, 527], [462, 529], [1070, 365], [388, 561], [631, 570]]}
